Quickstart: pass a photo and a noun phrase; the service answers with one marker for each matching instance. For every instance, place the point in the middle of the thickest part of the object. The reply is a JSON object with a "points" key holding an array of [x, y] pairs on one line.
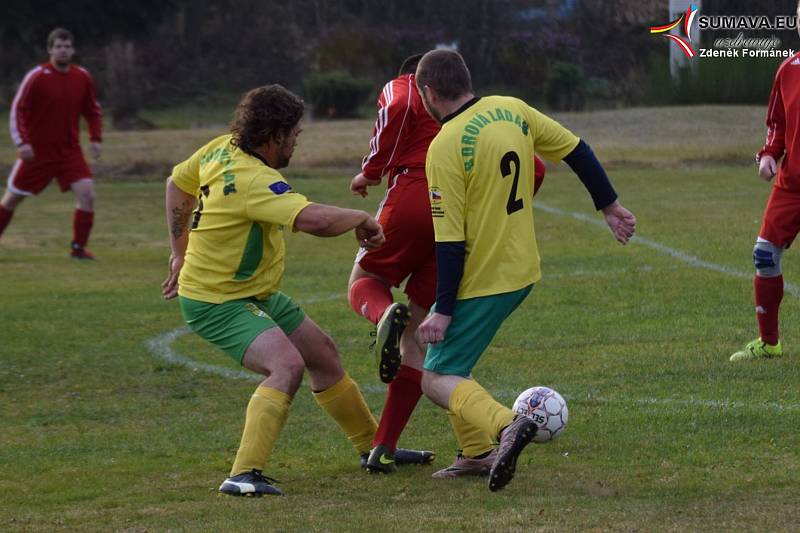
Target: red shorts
{"points": [[781, 221], [410, 249], [31, 177]]}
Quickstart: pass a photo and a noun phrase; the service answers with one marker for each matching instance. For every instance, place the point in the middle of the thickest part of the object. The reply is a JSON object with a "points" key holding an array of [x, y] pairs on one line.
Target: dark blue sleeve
{"points": [[449, 270], [584, 163]]}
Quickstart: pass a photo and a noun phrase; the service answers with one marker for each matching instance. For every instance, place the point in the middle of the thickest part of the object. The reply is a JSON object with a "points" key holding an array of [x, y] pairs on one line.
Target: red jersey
{"points": [[403, 131], [783, 121], [47, 107]]}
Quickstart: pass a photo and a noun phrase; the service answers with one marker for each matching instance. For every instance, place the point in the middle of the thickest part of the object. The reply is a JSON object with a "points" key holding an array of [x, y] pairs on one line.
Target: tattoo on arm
{"points": [[180, 218]]}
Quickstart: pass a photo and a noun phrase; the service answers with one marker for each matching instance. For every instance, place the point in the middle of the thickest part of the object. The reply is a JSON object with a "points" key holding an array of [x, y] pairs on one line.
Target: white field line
{"points": [[794, 290], [160, 345]]}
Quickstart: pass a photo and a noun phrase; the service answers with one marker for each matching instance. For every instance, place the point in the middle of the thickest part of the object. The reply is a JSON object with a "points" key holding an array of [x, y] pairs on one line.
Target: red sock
{"points": [[369, 298], [769, 293], [81, 226], [5, 218], [401, 399]]}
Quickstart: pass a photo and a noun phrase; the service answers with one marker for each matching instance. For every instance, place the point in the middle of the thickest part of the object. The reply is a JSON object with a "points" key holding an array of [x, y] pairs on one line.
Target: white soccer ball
{"points": [[546, 408]]}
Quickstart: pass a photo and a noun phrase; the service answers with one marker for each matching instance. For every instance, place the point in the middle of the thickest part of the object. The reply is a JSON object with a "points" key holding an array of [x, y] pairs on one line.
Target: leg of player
{"points": [[83, 218], [371, 297], [402, 397], [469, 401], [334, 390], [8, 204], [476, 451], [768, 285], [272, 355]]}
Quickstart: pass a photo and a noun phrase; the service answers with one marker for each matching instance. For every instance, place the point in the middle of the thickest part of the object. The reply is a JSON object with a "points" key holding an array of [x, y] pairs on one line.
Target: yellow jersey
{"points": [[480, 176], [236, 247]]}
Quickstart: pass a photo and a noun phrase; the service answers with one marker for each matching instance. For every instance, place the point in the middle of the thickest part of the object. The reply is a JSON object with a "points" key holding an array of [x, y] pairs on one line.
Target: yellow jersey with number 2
{"points": [[480, 175]]}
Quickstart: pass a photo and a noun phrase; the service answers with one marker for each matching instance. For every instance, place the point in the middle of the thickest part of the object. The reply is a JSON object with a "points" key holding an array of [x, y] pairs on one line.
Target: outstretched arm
{"points": [[585, 164], [179, 207], [329, 221]]}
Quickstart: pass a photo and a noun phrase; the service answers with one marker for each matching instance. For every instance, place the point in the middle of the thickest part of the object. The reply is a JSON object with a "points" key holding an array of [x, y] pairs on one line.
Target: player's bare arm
{"points": [[329, 221], [25, 152], [359, 184], [179, 207], [621, 222], [434, 327], [96, 149], [767, 167]]}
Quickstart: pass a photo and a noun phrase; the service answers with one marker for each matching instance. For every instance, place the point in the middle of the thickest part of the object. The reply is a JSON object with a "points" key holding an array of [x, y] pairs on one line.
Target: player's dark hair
{"points": [[409, 65], [445, 72], [61, 34], [263, 113]]}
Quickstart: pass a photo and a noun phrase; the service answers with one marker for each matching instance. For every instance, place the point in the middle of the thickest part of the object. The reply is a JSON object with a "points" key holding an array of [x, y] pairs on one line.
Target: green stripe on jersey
{"points": [[253, 252]]}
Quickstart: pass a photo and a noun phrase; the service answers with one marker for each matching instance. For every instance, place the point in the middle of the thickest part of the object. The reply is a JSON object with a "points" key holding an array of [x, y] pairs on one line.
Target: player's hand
{"points": [[370, 234], [25, 152], [767, 167], [433, 328], [621, 221], [169, 288], [96, 149], [359, 184]]}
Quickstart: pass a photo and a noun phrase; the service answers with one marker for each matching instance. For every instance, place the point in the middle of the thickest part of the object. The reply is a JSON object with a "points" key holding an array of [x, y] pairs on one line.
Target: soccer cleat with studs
{"points": [[513, 440], [758, 349], [402, 457], [380, 461], [252, 483], [387, 343], [467, 466], [78, 252]]}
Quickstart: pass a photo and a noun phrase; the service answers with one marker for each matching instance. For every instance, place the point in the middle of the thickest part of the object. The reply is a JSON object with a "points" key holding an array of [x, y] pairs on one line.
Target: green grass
{"points": [[100, 433]]}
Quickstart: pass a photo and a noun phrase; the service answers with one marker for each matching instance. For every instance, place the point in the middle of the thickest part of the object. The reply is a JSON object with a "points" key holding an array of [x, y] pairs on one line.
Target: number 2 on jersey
{"points": [[514, 204]]}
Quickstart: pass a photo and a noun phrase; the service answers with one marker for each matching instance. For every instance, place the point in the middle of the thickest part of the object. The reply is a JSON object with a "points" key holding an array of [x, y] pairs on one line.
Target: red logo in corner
{"points": [[685, 43]]}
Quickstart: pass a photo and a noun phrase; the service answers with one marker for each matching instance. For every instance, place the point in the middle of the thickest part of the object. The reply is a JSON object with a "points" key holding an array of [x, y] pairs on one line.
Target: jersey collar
{"points": [[461, 109], [254, 154]]}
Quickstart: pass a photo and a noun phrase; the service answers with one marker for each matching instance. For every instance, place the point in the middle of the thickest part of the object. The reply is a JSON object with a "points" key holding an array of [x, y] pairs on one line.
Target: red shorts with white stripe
{"points": [[410, 250], [781, 221], [31, 177]]}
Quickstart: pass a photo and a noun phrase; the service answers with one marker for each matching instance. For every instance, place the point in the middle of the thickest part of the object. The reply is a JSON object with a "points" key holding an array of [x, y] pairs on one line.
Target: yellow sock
{"points": [[266, 415], [345, 404], [471, 402], [471, 441]]}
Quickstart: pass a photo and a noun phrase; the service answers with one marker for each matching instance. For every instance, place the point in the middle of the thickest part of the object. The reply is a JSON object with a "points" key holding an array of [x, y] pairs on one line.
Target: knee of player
{"points": [[767, 259], [293, 367], [86, 200], [427, 383]]}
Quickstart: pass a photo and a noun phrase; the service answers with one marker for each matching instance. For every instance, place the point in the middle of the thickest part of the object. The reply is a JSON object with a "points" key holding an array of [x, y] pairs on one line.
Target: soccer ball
{"points": [[546, 408]]}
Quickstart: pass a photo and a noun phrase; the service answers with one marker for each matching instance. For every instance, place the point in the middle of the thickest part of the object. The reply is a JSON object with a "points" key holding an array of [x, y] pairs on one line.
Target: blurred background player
{"points": [[781, 220], [44, 124], [402, 134], [227, 271], [486, 249]]}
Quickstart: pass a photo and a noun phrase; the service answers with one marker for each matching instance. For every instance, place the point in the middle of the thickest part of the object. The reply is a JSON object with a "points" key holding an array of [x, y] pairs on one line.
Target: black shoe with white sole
{"points": [[252, 483]]}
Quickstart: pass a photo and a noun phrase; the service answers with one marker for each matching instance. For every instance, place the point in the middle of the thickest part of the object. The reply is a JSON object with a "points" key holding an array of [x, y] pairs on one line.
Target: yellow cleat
{"points": [[758, 349]]}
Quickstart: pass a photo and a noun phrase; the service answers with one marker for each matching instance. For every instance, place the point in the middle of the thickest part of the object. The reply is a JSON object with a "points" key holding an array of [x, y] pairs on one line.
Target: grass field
{"points": [[114, 419]]}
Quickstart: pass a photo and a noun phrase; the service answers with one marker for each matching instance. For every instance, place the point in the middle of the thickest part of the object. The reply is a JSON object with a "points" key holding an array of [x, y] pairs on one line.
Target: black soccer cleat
{"points": [[513, 440], [402, 457], [252, 483], [380, 461], [390, 328]]}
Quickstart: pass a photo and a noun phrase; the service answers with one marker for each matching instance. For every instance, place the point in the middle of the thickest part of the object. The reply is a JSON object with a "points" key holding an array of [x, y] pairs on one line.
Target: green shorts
{"points": [[474, 325], [234, 325]]}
